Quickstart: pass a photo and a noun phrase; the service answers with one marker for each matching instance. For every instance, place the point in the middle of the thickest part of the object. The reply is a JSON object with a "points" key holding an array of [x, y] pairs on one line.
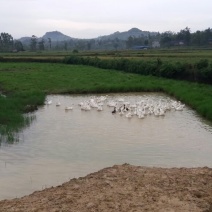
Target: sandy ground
{"points": [[124, 188]]}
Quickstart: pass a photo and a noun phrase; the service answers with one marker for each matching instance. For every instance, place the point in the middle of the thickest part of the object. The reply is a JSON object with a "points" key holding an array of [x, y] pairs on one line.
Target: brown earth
{"points": [[124, 188]]}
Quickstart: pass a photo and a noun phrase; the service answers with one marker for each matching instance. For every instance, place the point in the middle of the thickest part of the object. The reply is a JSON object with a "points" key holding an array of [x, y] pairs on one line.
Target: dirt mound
{"points": [[124, 188]]}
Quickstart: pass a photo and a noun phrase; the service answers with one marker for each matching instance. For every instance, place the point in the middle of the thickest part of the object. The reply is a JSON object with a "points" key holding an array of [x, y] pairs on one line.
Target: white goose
{"points": [[58, 104], [49, 102], [129, 115], [141, 116], [69, 108], [99, 108]]}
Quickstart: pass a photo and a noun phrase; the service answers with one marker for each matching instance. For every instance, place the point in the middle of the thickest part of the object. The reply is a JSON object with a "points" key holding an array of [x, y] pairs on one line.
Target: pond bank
{"points": [[124, 188]]}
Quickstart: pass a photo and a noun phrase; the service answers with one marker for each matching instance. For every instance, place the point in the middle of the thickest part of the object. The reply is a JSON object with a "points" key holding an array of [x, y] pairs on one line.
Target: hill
{"points": [[116, 40], [56, 36], [134, 32]]}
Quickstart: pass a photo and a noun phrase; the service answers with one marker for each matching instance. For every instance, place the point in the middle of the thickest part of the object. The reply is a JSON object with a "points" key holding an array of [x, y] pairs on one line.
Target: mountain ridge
{"points": [[134, 32], [59, 36]]}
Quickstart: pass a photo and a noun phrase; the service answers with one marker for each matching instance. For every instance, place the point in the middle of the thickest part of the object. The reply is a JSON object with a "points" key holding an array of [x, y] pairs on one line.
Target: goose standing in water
{"points": [[114, 110]]}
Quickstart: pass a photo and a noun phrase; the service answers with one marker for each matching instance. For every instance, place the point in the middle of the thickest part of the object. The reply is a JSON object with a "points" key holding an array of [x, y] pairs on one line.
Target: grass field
{"points": [[177, 54]]}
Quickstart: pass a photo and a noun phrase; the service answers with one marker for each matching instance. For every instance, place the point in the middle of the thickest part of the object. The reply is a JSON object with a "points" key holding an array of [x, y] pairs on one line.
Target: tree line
{"points": [[8, 44], [170, 39], [166, 39], [185, 37]]}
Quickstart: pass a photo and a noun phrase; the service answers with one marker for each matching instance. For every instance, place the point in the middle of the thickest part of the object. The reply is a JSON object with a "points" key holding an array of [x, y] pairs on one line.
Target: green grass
{"points": [[26, 84], [190, 55]]}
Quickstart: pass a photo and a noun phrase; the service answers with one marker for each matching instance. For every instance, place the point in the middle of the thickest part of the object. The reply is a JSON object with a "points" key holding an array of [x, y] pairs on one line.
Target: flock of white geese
{"points": [[140, 108]]}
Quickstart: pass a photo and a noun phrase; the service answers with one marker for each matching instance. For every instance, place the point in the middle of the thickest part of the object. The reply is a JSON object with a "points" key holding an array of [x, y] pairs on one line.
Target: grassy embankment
{"points": [[26, 84]]}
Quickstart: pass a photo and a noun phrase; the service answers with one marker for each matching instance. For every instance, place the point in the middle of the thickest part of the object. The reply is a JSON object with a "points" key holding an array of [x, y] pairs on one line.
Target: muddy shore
{"points": [[124, 188]]}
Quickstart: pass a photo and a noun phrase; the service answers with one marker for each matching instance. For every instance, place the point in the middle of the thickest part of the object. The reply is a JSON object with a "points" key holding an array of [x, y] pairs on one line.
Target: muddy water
{"points": [[60, 145]]}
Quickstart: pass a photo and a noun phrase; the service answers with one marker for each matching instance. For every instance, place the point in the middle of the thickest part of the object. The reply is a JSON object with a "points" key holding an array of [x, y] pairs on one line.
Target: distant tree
{"points": [[33, 43], [41, 45], [57, 45], [99, 42], [71, 43], [146, 42], [116, 43], [89, 45], [206, 35], [75, 51], [129, 42], [184, 35], [81, 44], [65, 45], [50, 43], [18, 46], [166, 38], [1, 44], [187, 36], [6, 42], [196, 38]]}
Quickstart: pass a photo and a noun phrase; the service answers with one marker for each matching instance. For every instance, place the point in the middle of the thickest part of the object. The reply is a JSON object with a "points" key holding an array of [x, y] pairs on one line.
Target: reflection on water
{"points": [[62, 144], [11, 135]]}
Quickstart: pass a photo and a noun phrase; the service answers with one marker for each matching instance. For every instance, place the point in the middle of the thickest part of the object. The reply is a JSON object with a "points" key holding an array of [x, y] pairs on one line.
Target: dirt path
{"points": [[124, 188]]}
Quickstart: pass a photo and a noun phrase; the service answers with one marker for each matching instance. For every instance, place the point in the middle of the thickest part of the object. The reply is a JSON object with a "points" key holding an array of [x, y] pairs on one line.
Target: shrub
{"points": [[75, 51], [205, 74], [203, 63]]}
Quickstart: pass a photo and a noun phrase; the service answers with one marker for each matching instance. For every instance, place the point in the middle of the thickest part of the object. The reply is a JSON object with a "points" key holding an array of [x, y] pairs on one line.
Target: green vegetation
{"points": [[200, 71], [12, 108], [177, 54]]}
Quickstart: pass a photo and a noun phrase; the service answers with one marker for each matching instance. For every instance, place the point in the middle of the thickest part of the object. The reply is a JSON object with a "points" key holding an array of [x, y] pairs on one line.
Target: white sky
{"points": [[93, 18]]}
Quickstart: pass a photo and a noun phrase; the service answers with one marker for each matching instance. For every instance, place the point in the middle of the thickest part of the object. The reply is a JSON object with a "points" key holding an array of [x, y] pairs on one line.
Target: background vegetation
{"points": [[116, 41]]}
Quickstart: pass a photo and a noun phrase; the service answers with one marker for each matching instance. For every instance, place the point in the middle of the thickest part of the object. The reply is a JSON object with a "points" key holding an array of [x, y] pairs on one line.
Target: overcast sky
{"points": [[93, 18]]}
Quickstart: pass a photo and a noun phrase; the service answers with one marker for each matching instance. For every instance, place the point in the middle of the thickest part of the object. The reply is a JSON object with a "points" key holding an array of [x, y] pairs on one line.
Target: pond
{"points": [[61, 144]]}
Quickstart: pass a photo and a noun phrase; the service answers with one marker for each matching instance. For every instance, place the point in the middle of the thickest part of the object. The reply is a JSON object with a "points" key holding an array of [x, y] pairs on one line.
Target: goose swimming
{"points": [[58, 104], [69, 108], [99, 108], [129, 115], [49, 102]]}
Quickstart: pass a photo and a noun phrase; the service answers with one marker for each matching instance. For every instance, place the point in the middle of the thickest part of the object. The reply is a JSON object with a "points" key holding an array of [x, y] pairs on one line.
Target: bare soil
{"points": [[124, 188]]}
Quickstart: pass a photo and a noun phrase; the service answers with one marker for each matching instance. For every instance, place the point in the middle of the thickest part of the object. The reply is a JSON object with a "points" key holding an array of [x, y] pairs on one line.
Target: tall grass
{"points": [[12, 108]]}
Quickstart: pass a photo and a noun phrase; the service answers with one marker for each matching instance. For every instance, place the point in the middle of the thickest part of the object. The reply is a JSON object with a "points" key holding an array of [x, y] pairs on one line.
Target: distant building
{"points": [[140, 47], [181, 43], [155, 44], [177, 43]]}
